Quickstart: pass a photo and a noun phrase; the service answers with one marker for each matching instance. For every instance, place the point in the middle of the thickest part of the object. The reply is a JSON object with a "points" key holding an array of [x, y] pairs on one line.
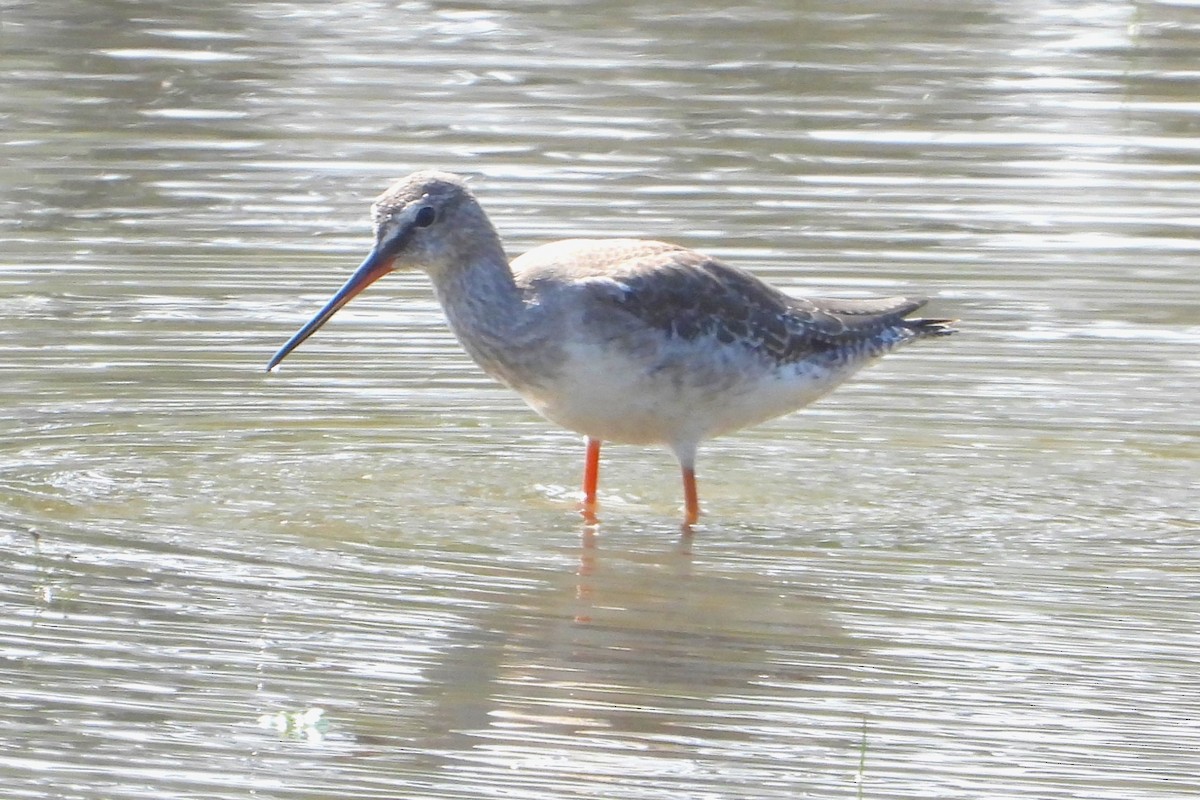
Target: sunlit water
{"points": [[970, 573]]}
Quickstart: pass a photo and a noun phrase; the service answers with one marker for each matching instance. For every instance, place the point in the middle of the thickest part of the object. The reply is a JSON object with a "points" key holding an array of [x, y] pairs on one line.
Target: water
{"points": [[970, 573]]}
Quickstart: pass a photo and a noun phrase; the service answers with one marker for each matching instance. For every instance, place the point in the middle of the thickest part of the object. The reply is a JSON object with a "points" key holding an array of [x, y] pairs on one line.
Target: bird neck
{"points": [[480, 294], [489, 314]]}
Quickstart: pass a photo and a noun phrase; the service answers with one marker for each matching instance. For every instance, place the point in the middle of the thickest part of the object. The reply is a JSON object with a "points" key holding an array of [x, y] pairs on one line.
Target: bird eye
{"points": [[425, 216]]}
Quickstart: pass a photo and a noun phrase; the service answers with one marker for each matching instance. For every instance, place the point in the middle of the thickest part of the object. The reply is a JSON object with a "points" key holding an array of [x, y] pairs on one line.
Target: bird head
{"points": [[428, 221]]}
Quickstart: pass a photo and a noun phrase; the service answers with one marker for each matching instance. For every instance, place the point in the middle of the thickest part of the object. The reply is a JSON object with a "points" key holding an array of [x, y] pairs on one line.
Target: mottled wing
{"points": [[689, 296]]}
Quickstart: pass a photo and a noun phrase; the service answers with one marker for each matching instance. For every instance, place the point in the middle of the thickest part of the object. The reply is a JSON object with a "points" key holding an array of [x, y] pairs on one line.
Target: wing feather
{"points": [[688, 295]]}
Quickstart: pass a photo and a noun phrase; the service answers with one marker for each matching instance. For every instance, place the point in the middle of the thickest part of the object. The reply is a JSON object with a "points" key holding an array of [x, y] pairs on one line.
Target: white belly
{"points": [[695, 393]]}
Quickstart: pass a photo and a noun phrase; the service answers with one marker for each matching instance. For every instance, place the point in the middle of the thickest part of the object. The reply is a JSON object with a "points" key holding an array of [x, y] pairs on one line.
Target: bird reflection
{"points": [[638, 644]]}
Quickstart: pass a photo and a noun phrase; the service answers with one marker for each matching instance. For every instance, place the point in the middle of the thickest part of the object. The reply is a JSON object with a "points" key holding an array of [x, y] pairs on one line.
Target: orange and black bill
{"points": [[377, 264]]}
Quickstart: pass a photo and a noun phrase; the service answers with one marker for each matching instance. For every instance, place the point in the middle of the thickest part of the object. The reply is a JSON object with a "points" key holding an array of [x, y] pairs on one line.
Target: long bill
{"points": [[374, 267]]}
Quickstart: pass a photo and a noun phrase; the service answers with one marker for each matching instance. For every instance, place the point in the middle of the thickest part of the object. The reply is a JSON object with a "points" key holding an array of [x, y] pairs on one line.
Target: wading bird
{"points": [[623, 340]]}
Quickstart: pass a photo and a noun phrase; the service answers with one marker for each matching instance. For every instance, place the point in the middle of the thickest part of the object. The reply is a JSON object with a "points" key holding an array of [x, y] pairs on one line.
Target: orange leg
{"points": [[691, 499], [591, 478]]}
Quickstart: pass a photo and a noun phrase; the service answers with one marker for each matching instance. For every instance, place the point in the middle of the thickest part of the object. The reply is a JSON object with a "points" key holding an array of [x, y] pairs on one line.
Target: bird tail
{"points": [[931, 327]]}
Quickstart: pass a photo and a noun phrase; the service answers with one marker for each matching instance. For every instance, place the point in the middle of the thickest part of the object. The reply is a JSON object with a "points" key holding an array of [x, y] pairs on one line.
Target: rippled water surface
{"points": [[972, 572]]}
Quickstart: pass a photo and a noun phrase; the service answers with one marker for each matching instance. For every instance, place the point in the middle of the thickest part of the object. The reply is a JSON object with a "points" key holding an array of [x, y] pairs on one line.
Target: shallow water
{"points": [[972, 572]]}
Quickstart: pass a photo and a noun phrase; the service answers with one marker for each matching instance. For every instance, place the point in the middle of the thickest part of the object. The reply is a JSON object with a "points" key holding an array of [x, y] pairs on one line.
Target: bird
{"points": [[623, 340]]}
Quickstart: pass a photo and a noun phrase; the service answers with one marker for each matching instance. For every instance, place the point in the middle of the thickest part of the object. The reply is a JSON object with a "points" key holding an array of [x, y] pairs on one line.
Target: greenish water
{"points": [[980, 558]]}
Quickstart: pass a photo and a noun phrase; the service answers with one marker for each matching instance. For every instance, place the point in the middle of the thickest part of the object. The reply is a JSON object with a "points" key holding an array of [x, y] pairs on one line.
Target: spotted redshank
{"points": [[623, 340]]}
